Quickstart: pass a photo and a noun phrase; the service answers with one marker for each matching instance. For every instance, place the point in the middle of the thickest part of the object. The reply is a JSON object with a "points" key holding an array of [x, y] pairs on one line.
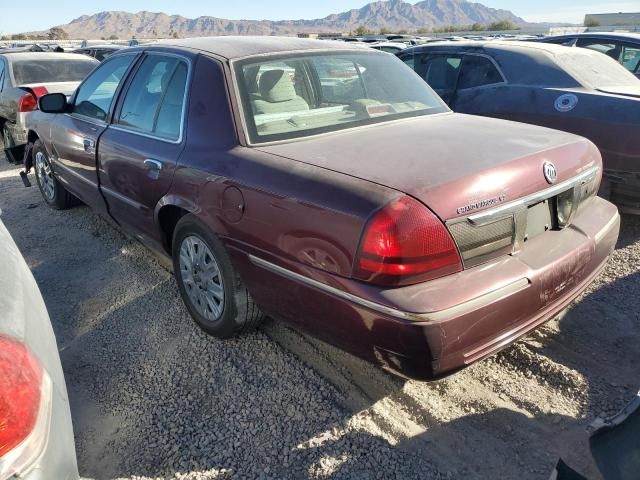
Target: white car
{"points": [[36, 434]]}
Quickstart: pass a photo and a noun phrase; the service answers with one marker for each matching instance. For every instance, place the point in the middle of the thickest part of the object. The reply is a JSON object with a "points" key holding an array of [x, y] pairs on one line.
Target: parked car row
{"points": [[327, 185]]}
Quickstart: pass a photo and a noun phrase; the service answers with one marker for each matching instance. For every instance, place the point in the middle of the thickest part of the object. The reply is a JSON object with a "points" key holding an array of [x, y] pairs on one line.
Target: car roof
{"points": [[525, 63], [231, 47], [617, 35], [518, 45], [106, 46], [12, 56]]}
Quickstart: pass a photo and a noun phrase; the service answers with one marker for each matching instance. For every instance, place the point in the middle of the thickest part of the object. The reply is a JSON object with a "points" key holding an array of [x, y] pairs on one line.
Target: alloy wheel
{"points": [[45, 178]]}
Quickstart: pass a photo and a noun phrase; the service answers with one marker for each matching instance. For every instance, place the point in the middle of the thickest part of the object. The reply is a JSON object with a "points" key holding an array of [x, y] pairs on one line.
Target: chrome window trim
{"points": [[116, 126], [460, 309]]}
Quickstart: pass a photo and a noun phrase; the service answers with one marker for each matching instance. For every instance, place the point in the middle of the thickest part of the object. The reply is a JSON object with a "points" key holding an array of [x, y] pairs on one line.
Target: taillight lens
{"points": [[29, 101], [25, 402], [405, 243]]}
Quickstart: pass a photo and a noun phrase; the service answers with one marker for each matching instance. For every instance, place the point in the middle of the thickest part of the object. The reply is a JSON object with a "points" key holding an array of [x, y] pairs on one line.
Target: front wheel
{"points": [[52, 191], [210, 288], [7, 139]]}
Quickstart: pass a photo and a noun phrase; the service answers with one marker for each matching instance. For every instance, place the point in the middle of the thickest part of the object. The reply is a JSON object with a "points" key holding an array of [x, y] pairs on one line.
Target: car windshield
{"points": [[596, 70], [51, 70], [300, 95]]}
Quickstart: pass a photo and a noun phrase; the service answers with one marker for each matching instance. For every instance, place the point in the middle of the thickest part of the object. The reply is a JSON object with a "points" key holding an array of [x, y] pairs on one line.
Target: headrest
{"points": [[276, 86]]}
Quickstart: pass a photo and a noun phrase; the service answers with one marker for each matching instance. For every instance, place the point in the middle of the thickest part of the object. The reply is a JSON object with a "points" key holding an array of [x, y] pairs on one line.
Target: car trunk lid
{"points": [[453, 163]]}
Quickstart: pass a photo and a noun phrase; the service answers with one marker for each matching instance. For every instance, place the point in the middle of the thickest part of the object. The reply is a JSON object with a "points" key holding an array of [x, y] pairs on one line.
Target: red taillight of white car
{"points": [[405, 243], [29, 101], [25, 408]]}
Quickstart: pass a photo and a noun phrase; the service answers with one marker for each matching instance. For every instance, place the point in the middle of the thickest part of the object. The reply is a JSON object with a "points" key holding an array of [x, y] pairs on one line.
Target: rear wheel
{"points": [[52, 191], [210, 288]]}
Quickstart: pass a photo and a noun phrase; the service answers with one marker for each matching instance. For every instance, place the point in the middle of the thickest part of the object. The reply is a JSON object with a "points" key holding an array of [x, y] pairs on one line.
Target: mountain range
{"points": [[394, 15]]}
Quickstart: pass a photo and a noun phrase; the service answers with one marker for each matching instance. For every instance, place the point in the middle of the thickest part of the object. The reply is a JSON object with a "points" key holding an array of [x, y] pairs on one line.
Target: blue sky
{"points": [[43, 14]]}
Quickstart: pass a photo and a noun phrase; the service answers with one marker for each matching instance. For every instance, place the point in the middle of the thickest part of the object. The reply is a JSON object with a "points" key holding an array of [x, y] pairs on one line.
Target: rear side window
{"points": [[95, 95], [441, 71], [154, 100], [631, 58], [51, 70], [478, 71]]}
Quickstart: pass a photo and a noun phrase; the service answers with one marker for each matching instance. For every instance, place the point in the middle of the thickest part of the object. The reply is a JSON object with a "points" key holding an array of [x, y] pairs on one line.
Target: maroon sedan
{"points": [[329, 186]]}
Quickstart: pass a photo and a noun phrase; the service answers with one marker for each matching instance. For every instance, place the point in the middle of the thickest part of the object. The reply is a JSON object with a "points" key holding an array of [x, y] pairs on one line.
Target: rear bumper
{"points": [[429, 330]]}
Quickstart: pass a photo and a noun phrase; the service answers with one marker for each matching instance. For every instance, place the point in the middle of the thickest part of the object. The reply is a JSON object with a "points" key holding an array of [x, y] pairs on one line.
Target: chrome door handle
{"points": [[89, 145], [154, 167]]}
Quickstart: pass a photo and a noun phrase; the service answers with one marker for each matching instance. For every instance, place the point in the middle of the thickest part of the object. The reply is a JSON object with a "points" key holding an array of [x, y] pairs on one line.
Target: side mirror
{"points": [[53, 103]]}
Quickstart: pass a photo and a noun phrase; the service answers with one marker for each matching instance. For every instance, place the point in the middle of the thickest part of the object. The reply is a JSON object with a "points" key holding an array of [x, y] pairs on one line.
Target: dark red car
{"points": [[329, 186]]}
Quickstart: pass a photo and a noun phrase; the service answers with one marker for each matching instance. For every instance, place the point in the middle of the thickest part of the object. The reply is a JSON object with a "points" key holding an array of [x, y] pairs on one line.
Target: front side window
{"points": [[300, 95], [95, 95], [154, 99], [631, 58], [478, 71]]}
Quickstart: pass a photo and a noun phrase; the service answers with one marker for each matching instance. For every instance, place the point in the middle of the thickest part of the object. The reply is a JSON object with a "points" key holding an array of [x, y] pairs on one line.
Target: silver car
{"points": [[26, 76], [36, 435]]}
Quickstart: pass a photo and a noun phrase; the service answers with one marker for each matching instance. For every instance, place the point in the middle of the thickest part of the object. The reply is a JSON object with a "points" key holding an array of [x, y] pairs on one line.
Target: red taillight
{"points": [[20, 394], [29, 101], [405, 243]]}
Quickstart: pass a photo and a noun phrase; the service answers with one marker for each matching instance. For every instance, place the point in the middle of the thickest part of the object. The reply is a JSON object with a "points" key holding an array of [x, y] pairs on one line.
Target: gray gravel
{"points": [[154, 397]]}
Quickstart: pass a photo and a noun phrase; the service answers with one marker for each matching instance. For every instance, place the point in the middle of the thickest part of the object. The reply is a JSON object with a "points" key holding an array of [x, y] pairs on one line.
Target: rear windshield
{"points": [[596, 70], [51, 70], [298, 95]]}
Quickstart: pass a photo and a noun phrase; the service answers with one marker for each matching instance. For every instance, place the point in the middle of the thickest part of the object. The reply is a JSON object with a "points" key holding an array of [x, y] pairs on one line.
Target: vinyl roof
{"points": [[235, 46]]}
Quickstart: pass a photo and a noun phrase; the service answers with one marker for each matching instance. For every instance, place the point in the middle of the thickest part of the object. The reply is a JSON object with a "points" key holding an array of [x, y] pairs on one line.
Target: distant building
{"points": [[323, 36], [612, 19]]}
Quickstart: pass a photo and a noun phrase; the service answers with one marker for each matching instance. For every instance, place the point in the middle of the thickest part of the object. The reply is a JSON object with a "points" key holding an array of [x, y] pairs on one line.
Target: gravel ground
{"points": [[154, 397]]}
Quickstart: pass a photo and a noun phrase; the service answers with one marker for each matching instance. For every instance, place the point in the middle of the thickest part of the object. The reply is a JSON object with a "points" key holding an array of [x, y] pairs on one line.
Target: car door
{"points": [[138, 153], [439, 70], [74, 136]]}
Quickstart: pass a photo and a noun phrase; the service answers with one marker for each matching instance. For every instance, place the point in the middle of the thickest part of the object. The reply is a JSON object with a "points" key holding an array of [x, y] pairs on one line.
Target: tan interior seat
{"points": [[277, 94]]}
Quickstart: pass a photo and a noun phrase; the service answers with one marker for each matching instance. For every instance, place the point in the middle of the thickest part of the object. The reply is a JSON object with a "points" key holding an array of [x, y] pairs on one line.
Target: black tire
{"points": [[6, 139], [53, 193], [239, 312]]}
